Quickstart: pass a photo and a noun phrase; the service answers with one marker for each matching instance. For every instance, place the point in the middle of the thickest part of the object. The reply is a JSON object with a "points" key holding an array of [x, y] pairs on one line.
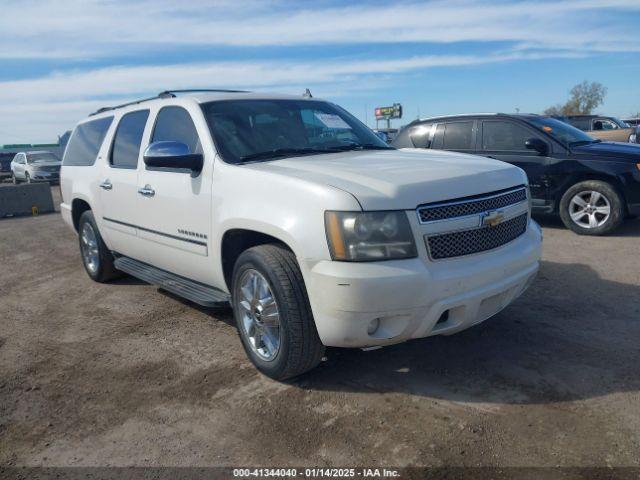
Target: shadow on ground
{"points": [[573, 335], [630, 227]]}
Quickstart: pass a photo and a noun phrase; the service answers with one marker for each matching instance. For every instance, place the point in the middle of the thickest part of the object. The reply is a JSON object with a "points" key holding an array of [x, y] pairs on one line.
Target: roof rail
{"points": [[164, 94], [200, 90]]}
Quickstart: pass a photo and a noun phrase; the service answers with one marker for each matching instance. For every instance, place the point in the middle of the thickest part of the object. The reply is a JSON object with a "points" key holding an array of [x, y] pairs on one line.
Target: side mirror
{"points": [[538, 145], [172, 155]]}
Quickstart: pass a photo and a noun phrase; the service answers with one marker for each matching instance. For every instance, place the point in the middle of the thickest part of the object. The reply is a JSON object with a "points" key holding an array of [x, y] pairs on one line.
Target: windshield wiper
{"points": [[283, 152], [584, 142]]}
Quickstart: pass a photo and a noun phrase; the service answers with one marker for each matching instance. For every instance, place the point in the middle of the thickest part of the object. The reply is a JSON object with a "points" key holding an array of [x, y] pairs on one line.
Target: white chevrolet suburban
{"points": [[316, 231]]}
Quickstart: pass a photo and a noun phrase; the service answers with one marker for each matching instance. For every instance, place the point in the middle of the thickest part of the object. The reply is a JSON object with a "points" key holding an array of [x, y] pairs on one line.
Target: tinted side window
{"points": [[438, 138], [505, 136], [583, 124], [126, 144], [174, 124], [421, 135], [85, 142], [458, 136]]}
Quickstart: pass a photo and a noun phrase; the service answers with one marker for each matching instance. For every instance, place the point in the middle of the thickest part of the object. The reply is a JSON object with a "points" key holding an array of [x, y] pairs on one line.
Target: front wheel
{"points": [[27, 177], [593, 207], [272, 313], [14, 179]]}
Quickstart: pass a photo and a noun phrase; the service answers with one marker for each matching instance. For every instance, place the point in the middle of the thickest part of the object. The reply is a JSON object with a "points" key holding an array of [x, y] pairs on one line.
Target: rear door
{"points": [[504, 139], [119, 185], [456, 135], [175, 219], [20, 166]]}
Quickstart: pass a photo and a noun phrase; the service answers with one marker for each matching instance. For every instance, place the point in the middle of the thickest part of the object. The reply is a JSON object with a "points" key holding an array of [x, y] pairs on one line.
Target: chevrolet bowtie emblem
{"points": [[492, 219]]}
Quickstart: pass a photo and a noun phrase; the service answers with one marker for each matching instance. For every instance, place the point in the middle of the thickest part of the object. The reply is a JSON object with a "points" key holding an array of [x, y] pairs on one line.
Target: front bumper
{"points": [[417, 298], [45, 177]]}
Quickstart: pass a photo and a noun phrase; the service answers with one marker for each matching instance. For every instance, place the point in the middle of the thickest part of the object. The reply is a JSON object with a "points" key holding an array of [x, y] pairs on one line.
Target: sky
{"points": [[61, 60]]}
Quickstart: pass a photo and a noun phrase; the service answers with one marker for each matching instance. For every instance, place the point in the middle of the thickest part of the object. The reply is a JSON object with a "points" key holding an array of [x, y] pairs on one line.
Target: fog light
{"points": [[373, 326]]}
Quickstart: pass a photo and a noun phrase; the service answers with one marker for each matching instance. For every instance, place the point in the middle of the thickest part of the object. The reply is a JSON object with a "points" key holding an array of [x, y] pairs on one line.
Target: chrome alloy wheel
{"points": [[89, 247], [258, 314], [589, 209]]}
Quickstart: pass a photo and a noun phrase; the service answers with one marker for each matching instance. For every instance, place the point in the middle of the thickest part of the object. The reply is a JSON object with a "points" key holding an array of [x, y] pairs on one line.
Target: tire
{"points": [[594, 219], [101, 268], [14, 179], [27, 177], [299, 347]]}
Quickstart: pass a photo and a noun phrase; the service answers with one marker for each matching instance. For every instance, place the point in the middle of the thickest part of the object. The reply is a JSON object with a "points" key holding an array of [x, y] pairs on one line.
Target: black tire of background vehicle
{"points": [[106, 271], [616, 202], [27, 177], [301, 349]]}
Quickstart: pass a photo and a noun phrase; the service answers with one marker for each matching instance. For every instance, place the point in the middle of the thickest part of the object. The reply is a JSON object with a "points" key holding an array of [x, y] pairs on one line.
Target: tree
{"points": [[585, 97]]}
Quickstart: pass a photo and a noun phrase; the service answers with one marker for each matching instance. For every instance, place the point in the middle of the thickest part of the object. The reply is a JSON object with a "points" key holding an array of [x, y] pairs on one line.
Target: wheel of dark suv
{"points": [[96, 257], [272, 312], [592, 207]]}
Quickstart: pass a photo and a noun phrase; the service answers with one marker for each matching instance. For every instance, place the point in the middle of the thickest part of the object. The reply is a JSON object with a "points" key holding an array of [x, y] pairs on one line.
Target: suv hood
{"points": [[618, 150], [401, 179], [46, 164]]}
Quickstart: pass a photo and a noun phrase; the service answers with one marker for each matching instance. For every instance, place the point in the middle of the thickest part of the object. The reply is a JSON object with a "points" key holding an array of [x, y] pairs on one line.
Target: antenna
{"points": [[307, 94]]}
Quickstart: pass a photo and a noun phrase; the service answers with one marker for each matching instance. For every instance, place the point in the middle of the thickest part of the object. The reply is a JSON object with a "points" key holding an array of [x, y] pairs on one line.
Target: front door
{"points": [[119, 186], [19, 166], [505, 140], [175, 205]]}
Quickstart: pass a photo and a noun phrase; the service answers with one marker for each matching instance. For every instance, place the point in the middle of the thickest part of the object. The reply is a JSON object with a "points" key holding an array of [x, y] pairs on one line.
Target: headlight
{"points": [[633, 137], [368, 236]]}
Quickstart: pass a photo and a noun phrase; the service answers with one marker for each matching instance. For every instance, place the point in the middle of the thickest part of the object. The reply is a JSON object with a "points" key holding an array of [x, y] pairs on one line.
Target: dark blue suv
{"points": [[593, 185]]}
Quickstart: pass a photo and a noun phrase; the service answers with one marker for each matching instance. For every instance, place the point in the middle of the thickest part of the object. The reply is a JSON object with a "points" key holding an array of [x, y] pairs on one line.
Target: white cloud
{"points": [[43, 107], [107, 31], [84, 29]]}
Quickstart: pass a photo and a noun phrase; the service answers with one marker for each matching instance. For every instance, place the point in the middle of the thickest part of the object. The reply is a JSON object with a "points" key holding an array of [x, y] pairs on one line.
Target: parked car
{"points": [[591, 184], [604, 128], [5, 165], [632, 122], [37, 166], [386, 134], [316, 231]]}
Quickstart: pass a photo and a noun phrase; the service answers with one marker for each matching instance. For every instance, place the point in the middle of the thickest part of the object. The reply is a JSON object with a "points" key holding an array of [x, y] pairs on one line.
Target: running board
{"points": [[191, 290]]}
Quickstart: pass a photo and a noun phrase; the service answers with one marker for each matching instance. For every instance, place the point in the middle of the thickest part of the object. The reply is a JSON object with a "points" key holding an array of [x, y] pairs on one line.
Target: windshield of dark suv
{"points": [[42, 158], [258, 130], [566, 134]]}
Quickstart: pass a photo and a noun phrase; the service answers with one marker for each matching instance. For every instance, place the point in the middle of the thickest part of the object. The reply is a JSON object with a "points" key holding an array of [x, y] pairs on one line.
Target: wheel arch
{"points": [[612, 180], [78, 207], [237, 240]]}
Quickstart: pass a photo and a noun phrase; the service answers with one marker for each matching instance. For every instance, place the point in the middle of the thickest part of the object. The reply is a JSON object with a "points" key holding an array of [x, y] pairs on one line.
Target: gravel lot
{"points": [[124, 374]]}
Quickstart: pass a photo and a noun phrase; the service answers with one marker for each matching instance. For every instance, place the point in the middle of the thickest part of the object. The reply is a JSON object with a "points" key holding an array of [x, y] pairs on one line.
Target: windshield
{"points": [[620, 123], [563, 132], [258, 130], [42, 158]]}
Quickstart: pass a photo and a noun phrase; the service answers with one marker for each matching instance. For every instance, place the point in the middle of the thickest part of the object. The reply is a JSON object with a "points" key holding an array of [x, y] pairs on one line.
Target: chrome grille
{"points": [[466, 242], [463, 208]]}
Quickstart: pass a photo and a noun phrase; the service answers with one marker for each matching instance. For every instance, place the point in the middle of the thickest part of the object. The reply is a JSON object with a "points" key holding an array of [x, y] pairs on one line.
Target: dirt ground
{"points": [[124, 374]]}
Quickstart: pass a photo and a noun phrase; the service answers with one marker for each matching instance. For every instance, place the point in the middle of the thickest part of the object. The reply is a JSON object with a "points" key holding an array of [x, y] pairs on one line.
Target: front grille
{"points": [[463, 208], [53, 168], [466, 242]]}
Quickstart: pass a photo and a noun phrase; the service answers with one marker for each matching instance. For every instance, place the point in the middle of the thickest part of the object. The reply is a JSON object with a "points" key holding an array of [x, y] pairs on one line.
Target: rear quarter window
{"points": [[85, 142]]}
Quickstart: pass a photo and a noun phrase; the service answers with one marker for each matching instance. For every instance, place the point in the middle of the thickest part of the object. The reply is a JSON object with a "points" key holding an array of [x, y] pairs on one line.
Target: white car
{"points": [[316, 231], [37, 166]]}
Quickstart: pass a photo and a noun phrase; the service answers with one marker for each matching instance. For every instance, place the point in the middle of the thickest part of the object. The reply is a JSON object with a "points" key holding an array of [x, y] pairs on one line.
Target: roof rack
{"points": [[165, 94]]}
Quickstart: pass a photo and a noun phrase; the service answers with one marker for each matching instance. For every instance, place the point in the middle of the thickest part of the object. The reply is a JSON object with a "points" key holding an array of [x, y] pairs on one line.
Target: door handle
{"points": [[147, 191], [106, 185]]}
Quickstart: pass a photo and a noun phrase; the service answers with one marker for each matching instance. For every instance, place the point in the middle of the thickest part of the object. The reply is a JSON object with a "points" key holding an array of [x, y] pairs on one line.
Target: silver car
{"points": [[35, 167]]}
